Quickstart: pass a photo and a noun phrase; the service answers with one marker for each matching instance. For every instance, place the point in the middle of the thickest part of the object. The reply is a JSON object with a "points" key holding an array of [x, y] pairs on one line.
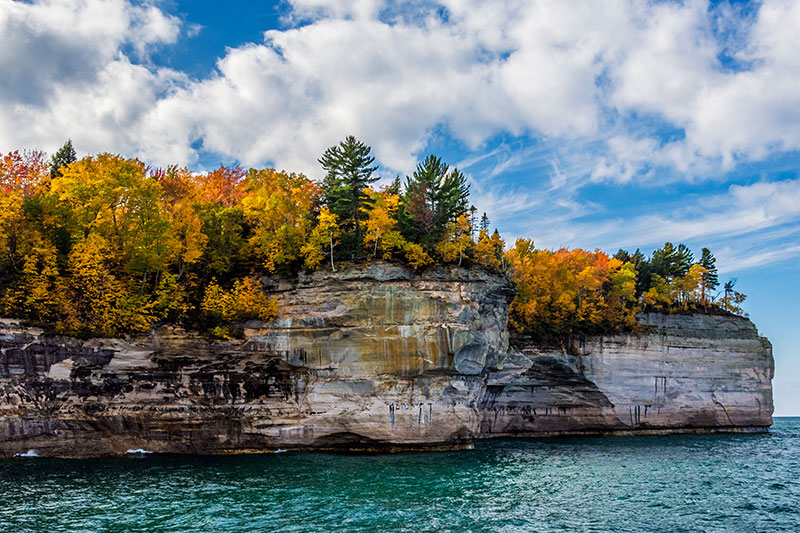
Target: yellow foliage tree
{"points": [[100, 303], [113, 197], [280, 206], [326, 233], [39, 295], [416, 255], [247, 300], [488, 251], [381, 223], [185, 237], [658, 296], [456, 241], [252, 302]]}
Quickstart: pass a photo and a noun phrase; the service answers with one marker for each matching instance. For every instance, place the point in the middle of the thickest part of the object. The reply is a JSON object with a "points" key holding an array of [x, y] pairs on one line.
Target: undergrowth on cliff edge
{"points": [[106, 245]]}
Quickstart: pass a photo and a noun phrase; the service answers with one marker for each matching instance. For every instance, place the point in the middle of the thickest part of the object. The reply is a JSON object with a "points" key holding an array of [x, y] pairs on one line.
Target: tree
{"points": [[223, 186], [457, 240], [114, 197], [186, 237], [280, 208], [434, 196], [325, 233], [488, 251], [39, 293], [349, 168], [63, 157], [416, 255], [711, 277], [381, 223]]}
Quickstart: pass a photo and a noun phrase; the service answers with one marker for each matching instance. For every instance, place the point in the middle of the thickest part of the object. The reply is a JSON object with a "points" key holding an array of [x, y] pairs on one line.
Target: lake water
{"points": [[674, 483]]}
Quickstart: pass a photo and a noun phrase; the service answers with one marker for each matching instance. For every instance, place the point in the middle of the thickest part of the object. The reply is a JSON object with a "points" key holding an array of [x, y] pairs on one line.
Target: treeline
{"points": [[107, 246], [568, 293]]}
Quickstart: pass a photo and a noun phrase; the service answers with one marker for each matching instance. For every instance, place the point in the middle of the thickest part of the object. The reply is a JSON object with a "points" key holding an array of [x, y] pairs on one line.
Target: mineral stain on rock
{"points": [[375, 359]]}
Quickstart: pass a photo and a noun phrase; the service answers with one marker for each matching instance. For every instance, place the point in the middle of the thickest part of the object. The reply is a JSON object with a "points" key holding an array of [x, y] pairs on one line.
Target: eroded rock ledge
{"points": [[375, 358]]}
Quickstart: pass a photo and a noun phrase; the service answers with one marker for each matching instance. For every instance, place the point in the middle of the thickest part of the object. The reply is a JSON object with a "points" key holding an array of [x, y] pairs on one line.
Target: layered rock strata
{"points": [[681, 373], [373, 358]]}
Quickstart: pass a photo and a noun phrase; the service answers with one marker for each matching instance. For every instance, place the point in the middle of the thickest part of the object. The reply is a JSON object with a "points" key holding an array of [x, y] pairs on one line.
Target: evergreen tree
{"points": [[683, 260], [395, 187], [671, 262], [434, 196], [484, 223], [622, 255], [728, 287], [709, 262], [63, 157], [349, 171]]}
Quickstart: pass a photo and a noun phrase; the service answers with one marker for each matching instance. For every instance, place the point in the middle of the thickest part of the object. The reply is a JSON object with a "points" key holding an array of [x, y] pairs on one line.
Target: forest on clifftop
{"points": [[108, 246]]}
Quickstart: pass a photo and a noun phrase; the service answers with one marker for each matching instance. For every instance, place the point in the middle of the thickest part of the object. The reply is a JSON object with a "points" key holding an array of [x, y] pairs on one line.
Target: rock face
{"points": [[374, 358], [682, 373]]}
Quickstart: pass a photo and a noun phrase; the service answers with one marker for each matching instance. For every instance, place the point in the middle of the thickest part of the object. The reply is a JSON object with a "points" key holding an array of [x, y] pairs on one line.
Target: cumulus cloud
{"points": [[65, 72], [595, 84], [393, 72]]}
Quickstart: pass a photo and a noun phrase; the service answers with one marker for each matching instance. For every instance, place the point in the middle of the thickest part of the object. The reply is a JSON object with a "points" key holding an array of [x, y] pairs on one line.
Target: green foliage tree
{"points": [[63, 157], [709, 262], [671, 262], [434, 196], [350, 169]]}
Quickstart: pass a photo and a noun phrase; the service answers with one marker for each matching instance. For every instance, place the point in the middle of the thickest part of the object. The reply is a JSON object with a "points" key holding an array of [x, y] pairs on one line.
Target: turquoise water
{"points": [[675, 483]]}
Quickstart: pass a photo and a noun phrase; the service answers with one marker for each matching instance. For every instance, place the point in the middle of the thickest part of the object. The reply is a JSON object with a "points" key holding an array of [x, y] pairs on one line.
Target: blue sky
{"points": [[595, 124]]}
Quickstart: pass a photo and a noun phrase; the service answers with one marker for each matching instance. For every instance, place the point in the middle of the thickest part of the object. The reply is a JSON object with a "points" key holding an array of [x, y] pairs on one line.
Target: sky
{"points": [[599, 124]]}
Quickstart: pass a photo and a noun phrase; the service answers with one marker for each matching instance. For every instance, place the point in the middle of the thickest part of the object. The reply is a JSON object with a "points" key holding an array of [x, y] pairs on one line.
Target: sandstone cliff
{"points": [[374, 358]]}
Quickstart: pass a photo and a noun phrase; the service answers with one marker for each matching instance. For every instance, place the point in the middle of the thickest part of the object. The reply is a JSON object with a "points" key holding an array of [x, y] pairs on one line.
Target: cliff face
{"points": [[682, 373], [373, 359]]}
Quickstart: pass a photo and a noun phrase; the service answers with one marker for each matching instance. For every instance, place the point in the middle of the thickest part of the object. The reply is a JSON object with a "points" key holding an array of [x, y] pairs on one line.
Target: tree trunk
{"points": [[377, 235], [330, 234]]}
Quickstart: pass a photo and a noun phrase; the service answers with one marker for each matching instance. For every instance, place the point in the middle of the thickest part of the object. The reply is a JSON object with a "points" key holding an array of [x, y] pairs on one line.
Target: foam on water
{"points": [[29, 453]]}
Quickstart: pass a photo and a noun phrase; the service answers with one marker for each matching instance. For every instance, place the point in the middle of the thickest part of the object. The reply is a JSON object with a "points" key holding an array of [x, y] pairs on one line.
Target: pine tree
{"points": [[671, 262], [709, 262], [63, 157], [484, 226], [434, 196], [350, 169]]}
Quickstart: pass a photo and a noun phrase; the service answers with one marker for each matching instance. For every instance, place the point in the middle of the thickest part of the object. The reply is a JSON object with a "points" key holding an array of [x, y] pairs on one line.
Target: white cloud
{"points": [[392, 73], [64, 73], [592, 85]]}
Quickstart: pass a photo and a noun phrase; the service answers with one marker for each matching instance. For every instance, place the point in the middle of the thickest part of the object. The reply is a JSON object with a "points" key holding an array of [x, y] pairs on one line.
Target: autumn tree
{"points": [[39, 293], [457, 239], [381, 228], [325, 234], [186, 238], [115, 198], [100, 302], [280, 208], [569, 292], [224, 186]]}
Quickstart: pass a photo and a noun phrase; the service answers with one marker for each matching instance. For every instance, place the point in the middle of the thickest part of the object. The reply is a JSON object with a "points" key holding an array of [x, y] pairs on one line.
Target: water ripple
{"points": [[675, 483]]}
